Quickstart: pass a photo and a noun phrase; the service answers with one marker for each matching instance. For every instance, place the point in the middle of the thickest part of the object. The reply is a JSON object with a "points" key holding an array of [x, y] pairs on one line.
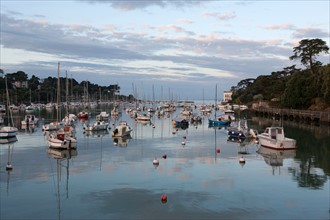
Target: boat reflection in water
{"points": [[275, 158], [62, 157], [10, 143], [29, 128], [121, 141], [100, 133]]}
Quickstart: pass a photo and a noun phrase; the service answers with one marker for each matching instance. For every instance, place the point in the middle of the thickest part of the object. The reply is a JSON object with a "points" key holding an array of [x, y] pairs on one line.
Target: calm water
{"points": [[101, 180]]}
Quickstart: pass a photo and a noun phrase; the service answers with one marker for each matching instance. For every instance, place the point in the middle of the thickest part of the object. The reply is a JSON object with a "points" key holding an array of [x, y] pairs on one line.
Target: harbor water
{"points": [[199, 172]]}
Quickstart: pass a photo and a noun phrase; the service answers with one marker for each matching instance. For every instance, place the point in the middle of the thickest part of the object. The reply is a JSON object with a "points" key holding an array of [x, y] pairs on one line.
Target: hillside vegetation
{"points": [[307, 89]]}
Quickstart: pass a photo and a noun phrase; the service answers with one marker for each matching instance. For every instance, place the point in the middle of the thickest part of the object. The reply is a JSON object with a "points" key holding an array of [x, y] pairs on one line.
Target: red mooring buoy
{"points": [[164, 156], [164, 198], [218, 150]]}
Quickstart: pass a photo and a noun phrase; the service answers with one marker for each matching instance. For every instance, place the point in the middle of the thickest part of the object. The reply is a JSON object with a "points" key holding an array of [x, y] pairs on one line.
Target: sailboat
{"points": [[8, 131], [63, 137]]}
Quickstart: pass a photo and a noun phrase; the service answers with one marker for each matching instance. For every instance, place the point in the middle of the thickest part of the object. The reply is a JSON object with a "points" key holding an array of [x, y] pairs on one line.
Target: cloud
{"points": [[279, 27], [310, 33], [141, 4], [221, 16], [184, 20]]}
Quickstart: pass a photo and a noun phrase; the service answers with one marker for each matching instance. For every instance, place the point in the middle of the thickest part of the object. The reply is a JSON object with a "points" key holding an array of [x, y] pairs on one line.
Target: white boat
{"points": [[274, 138], [2, 108], [29, 109], [143, 118], [13, 108], [55, 125], [69, 119], [8, 132], [63, 138], [122, 130], [103, 116], [30, 120], [97, 126]]}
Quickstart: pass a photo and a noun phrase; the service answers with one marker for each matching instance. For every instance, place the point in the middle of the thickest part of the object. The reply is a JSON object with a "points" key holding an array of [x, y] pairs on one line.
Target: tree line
{"points": [[305, 89], [45, 90]]}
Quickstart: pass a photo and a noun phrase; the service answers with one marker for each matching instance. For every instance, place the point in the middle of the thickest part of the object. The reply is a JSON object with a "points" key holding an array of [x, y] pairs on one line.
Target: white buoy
{"points": [[9, 166], [115, 143], [183, 143], [242, 160], [155, 162]]}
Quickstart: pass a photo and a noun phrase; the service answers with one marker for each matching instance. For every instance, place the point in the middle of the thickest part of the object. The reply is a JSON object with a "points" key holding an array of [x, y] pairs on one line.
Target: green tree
{"points": [[307, 51]]}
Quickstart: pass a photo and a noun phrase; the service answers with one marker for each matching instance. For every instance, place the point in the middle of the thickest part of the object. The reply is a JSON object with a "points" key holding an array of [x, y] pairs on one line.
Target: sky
{"points": [[158, 49]]}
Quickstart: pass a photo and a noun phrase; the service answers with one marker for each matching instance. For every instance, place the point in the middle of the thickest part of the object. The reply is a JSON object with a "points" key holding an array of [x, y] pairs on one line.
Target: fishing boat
{"points": [[122, 130], [274, 138], [97, 126]]}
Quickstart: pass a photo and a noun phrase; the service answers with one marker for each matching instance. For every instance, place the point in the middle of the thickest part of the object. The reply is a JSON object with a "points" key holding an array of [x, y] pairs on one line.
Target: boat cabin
{"points": [[276, 133]]}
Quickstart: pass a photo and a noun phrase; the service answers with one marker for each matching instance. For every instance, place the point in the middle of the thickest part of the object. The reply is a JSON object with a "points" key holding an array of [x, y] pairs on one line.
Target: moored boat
{"points": [[274, 138], [8, 132], [122, 130], [103, 116], [97, 126], [241, 131], [82, 115]]}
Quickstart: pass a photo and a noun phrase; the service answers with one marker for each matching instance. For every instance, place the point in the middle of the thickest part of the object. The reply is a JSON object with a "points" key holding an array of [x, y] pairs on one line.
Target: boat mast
{"points": [[58, 90], [216, 97], [9, 112], [66, 92]]}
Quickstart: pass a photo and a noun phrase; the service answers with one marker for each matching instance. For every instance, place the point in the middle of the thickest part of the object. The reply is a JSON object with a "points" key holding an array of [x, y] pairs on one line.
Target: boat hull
{"points": [[8, 132], [286, 144], [215, 123]]}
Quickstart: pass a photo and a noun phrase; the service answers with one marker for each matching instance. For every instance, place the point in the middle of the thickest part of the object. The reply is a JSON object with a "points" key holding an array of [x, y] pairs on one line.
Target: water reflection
{"points": [[9, 142], [202, 179], [275, 158], [121, 141], [62, 157], [29, 128]]}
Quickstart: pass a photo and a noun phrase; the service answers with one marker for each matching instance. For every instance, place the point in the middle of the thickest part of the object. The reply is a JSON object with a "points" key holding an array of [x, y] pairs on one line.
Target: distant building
{"points": [[227, 96]]}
